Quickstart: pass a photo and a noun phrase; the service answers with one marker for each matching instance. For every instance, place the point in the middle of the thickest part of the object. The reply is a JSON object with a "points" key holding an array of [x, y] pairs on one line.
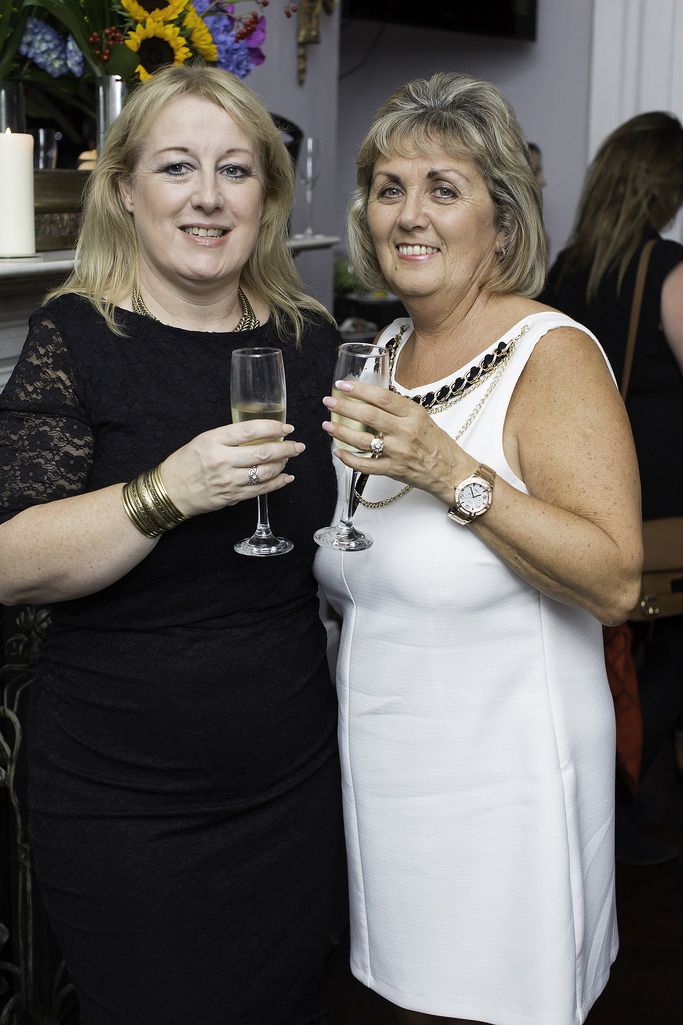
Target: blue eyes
{"points": [[234, 172], [395, 192]]}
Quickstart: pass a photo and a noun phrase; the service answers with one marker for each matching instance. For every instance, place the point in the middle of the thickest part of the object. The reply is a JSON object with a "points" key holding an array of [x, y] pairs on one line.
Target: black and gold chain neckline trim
{"points": [[439, 400], [247, 321]]}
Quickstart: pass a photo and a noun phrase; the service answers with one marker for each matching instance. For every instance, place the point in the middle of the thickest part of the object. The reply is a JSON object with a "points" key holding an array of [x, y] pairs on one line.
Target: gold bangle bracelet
{"points": [[149, 506], [136, 511], [156, 485]]}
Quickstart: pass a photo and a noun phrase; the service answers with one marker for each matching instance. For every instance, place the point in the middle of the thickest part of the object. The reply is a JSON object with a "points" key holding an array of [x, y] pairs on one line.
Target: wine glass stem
{"points": [[309, 209], [263, 525], [346, 518]]}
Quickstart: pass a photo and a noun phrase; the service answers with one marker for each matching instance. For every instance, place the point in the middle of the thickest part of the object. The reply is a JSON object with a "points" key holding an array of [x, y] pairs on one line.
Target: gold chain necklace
{"points": [[433, 405], [247, 321]]}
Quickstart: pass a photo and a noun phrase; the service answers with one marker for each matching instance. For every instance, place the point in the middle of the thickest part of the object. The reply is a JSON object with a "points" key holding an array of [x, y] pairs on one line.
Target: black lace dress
{"points": [[184, 791]]}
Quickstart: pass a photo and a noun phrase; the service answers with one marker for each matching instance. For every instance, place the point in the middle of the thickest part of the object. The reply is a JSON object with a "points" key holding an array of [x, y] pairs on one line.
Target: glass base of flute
{"points": [[344, 535], [263, 541]]}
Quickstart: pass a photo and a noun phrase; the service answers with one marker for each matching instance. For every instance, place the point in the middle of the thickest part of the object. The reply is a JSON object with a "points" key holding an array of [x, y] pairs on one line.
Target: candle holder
{"points": [[12, 106]]}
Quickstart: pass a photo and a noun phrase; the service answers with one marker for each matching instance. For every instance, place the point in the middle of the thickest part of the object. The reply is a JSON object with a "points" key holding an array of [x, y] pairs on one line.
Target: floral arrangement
{"points": [[134, 38], [57, 48]]}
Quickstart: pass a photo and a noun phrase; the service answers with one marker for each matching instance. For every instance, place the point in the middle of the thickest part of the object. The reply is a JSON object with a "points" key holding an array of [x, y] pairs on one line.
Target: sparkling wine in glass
{"points": [[309, 172], [369, 363], [258, 392]]}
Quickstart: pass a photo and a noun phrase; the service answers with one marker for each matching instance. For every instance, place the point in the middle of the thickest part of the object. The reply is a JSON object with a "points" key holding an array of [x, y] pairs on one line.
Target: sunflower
{"points": [[157, 10], [157, 43], [200, 36]]}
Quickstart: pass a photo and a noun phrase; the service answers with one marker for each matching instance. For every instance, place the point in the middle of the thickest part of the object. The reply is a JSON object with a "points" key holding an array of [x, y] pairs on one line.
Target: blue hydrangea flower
{"points": [[233, 55], [45, 47], [74, 58]]}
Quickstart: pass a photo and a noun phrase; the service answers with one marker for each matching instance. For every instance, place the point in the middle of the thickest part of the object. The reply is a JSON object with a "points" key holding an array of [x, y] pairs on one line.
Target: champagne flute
{"points": [[369, 363], [309, 174], [258, 392]]}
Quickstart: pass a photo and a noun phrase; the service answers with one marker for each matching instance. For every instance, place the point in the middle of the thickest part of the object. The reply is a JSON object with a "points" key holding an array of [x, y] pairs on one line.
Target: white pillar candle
{"points": [[17, 216]]}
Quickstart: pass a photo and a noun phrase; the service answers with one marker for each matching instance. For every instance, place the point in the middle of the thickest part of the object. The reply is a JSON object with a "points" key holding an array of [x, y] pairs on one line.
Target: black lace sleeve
{"points": [[46, 440]]}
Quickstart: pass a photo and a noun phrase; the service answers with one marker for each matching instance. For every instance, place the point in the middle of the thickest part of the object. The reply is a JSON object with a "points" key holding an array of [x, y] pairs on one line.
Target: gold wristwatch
{"points": [[473, 495]]}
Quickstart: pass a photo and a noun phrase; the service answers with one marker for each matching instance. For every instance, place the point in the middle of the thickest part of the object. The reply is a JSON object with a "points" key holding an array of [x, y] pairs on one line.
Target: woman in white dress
{"points": [[476, 723]]}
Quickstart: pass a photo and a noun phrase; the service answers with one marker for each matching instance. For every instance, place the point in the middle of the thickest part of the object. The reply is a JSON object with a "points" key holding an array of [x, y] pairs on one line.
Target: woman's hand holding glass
{"points": [[415, 451], [212, 471]]}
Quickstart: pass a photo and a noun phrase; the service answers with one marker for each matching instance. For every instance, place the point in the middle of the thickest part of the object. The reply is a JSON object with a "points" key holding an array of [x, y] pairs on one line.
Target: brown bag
{"points": [[661, 591], [623, 683]]}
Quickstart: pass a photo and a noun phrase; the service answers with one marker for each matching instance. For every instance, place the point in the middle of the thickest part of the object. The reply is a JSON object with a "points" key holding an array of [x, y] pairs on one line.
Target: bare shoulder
{"points": [[567, 353], [566, 380]]}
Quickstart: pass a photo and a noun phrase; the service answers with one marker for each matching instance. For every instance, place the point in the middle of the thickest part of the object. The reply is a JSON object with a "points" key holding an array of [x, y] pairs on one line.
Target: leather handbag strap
{"points": [[638, 289]]}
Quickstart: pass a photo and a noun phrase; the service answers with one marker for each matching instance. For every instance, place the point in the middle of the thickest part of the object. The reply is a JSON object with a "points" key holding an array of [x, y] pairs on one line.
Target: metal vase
{"points": [[12, 106], [110, 95]]}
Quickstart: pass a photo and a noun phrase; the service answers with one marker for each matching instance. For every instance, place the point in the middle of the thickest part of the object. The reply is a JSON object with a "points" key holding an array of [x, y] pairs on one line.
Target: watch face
{"points": [[474, 497]]}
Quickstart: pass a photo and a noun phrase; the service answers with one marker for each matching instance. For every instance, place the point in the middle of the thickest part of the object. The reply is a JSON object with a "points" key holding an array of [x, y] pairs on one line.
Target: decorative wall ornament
{"points": [[309, 30]]}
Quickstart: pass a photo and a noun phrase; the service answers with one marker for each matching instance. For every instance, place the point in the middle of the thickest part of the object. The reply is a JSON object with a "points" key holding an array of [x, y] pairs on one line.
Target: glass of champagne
{"points": [[369, 363], [258, 392]]}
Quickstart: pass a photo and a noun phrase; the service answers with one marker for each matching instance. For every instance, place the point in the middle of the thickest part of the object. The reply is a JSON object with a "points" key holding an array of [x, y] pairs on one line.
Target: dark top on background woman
{"points": [[184, 790], [655, 395]]}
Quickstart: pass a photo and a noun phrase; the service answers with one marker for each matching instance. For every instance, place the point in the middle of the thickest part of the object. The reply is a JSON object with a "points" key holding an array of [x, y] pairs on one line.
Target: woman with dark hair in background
{"points": [[633, 190]]}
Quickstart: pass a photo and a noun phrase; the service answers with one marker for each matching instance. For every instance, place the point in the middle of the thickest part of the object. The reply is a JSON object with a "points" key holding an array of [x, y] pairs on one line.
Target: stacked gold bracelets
{"points": [[148, 506]]}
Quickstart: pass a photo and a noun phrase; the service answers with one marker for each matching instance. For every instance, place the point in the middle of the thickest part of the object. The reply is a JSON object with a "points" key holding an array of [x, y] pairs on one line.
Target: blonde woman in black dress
{"points": [[184, 780]]}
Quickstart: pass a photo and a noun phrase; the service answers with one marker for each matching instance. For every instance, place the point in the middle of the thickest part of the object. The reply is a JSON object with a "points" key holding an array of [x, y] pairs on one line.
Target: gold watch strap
{"points": [[486, 472]]}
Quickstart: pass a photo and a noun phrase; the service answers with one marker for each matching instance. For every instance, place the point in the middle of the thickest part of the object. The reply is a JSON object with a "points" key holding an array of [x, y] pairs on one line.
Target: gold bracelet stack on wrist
{"points": [[148, 506]]}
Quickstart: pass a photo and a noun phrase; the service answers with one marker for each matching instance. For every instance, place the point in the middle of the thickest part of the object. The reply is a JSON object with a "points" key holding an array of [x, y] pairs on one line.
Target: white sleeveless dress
{"points": [[477, 741]]}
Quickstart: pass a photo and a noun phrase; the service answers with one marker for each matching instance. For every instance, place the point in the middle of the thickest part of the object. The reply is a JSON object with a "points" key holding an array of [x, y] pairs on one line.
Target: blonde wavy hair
{"points": [[467, 118], [634, 183], [107, 251]]}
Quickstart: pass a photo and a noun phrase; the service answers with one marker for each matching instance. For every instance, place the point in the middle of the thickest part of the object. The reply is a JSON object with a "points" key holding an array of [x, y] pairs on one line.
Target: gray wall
{"points": [[547, 83], [312, 106]]}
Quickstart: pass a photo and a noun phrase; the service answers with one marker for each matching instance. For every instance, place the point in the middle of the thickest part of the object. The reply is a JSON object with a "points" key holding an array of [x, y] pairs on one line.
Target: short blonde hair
{"points": [[467, 118], [107, 251]]}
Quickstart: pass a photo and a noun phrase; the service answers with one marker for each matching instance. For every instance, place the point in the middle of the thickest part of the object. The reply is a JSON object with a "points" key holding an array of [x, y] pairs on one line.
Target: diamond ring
{"points": [[253, 475], [377, 447]]}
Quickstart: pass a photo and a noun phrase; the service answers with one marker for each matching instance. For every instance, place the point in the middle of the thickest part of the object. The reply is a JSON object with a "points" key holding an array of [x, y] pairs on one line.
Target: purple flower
{"points": [[74, 58], [45, 47], [253, 42], [258, 36]]}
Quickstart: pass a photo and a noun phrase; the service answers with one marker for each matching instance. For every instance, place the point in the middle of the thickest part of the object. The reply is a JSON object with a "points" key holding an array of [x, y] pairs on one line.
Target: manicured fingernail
{"points": [[287, 429], [329, 402], [326, 425], [290, 477], [344, 385], [299, 446]]}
